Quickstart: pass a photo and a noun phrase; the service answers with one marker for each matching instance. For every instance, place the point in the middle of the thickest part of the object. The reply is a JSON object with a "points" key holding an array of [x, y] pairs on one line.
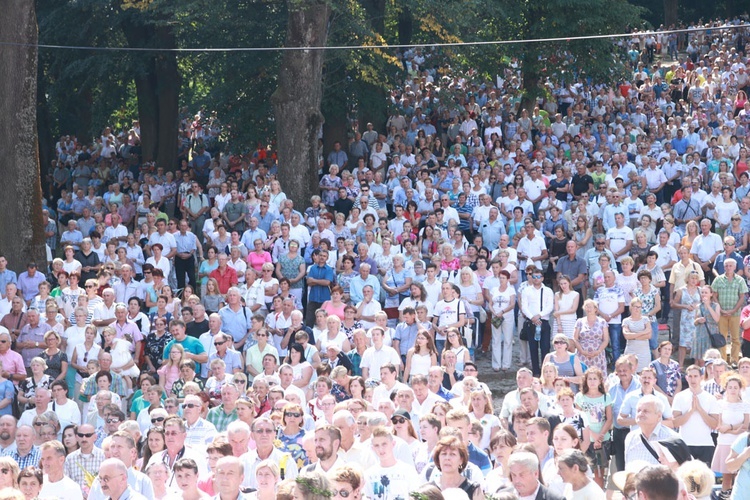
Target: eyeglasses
{"points": [[105, 479], [85, 434], [90, 286], [157, 420], [293, 414], [341, 493], [264, 431], [172, 433], [599, 243], [398, 420]]}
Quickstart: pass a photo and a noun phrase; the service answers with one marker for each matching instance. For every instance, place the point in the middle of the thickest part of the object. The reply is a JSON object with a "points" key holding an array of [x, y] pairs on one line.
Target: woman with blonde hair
{"points": [[267, 476], [9, 479], [481, 410]]}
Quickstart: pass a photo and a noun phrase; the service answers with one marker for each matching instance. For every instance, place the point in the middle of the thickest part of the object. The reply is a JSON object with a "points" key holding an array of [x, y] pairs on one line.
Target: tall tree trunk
{"points": [[670, 13], [168, 93], [297, 99], [375, 10], [157, 84], [21, 231], [44, 131]]}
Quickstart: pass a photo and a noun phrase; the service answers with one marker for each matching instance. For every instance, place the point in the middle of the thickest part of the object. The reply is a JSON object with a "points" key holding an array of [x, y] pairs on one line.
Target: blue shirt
{"points": [[357, 284], [6, 277], [264, 223], [406, 335], [480, 459], [250, 235], [191, 345], [237, 323], [618, 395], [320, 293], [186, 243]]}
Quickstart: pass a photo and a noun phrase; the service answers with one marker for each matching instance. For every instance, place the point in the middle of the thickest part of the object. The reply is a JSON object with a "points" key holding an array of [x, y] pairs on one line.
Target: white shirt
{"points": [[618, 238], [706, 246], [64, 489], [530, 248], [695, 432], [373, 359], [537, 301]]}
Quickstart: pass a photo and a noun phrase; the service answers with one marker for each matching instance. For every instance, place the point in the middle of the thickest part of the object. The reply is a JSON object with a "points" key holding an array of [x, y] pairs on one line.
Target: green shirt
{"points": [[729, 292]]}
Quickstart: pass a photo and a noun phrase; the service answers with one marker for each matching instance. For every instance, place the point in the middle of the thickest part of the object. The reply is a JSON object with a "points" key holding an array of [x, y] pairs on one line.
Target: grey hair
{"points": [[653, 400], [573, 457], [525, 459], [377, 418]]}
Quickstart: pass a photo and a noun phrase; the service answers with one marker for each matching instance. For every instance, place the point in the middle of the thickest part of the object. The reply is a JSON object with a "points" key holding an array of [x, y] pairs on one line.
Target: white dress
{"points": [[568, 321], [420, 364]]}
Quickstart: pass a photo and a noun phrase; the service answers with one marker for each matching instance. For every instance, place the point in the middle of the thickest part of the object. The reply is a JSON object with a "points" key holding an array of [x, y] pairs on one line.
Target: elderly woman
{"points": [[396, 284], [122, 360], [290, 435], [591, 336], [573, 467], [39, 378], [8, 479], [30, 482], [451, 457], [56, 359]]}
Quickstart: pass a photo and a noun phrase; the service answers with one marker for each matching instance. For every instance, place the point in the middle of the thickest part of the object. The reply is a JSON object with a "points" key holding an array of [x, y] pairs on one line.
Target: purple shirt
{"points": [[29, 285]]}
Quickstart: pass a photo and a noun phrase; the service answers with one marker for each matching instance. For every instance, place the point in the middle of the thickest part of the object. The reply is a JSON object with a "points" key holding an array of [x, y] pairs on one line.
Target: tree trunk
{"points": [[375, 10], [157, 84], [44, 131], [21, 231], [168, 93], [297, 100], [670, 13]]}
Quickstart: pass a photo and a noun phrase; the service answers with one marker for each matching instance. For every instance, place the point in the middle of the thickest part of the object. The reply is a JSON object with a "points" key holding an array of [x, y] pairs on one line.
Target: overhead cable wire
{"points": [[371, 47]]}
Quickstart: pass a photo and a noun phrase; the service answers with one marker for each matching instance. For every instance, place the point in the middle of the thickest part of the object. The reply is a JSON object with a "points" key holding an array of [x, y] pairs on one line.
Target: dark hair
{"points": [[103, 374], [296, 347], [32, 471], [658, 482]]}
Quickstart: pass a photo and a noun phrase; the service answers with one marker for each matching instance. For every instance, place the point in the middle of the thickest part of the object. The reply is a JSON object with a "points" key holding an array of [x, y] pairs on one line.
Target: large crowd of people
{"points": [[196, 334]]}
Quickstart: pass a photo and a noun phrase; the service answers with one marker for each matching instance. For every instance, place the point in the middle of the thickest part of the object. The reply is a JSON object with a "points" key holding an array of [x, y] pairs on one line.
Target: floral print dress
{"points": [[591, 338]]}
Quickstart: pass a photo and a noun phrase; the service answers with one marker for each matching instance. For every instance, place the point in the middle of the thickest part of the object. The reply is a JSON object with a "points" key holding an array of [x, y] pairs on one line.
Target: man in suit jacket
{"points": [[524, 474]]}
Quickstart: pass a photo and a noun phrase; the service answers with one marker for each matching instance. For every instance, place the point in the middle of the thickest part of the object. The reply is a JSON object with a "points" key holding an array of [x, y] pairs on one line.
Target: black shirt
{"points": [[196, 328], [581, 183], [343, 205], [90, 260]]}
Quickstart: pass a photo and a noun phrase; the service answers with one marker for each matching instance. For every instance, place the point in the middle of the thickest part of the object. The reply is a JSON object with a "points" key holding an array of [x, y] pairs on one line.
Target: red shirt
{"points": [[226, 280]]}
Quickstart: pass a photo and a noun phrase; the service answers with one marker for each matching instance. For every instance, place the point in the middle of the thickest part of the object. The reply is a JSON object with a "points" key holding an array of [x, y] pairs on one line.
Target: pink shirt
{"points": [[13, 363], [256, 261]]}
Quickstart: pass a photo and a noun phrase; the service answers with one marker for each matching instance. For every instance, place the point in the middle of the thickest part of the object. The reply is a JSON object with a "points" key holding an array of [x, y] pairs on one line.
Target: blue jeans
{"points": [[439, 345], [615, 338], [543, 343], [653, 342]]}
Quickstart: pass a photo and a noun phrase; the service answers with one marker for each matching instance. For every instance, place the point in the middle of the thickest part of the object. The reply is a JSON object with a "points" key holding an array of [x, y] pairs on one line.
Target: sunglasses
{"points": [[341, 493], [113, 420], [264, 431], [90, 286], [536, 276], [261, 335], [85, 434], [219, 343], [559, 342], [156, 420], [398, 420], [293, 414], [39, 424], [191, 405]]}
